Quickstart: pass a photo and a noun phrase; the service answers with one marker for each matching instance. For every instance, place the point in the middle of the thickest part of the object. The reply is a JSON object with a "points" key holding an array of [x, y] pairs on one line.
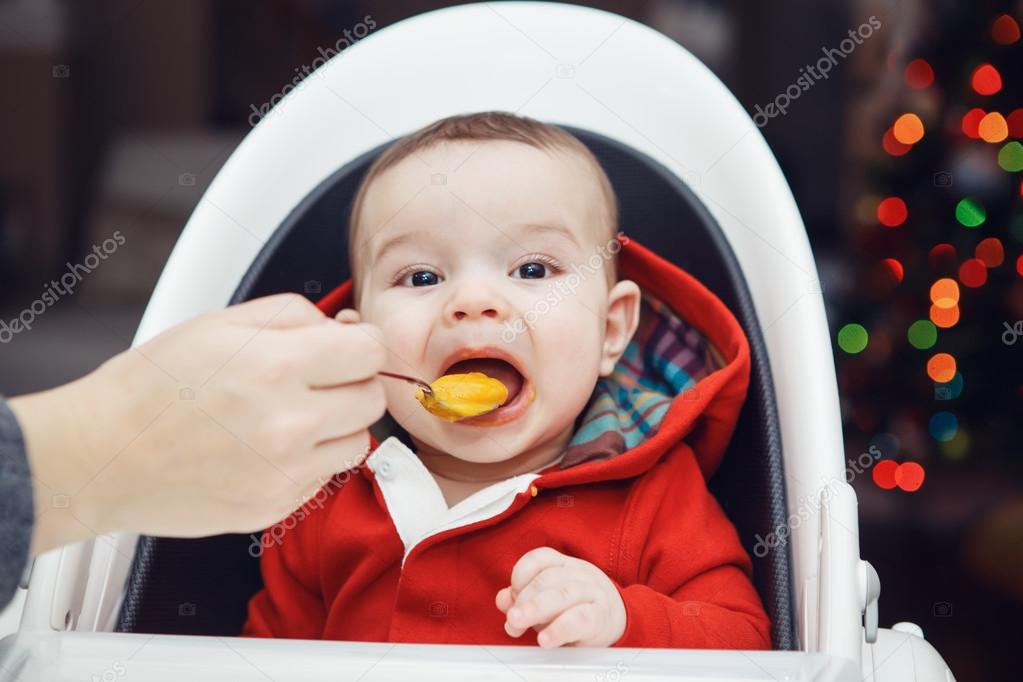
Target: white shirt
{"points": [[416, 503]]}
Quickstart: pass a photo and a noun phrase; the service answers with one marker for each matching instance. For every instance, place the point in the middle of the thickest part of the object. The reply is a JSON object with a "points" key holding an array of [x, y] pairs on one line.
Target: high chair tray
{"points": [[59, 656]]}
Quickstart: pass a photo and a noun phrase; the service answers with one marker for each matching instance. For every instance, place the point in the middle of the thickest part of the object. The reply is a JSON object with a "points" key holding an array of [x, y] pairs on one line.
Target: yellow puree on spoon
{"points": [[457, 396]]}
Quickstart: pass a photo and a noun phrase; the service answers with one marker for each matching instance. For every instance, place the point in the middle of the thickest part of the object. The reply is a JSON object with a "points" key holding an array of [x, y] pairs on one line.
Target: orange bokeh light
{"points": [[941, 368], [944, 317], [993, 128], [908, 129], [945, 293]]}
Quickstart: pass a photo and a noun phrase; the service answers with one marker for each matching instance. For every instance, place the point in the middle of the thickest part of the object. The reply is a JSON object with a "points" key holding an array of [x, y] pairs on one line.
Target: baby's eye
{"points": [[532, 270], [421, 278]]}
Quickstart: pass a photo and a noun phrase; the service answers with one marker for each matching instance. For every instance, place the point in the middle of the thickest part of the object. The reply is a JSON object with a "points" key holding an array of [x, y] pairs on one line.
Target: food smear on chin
{"points": [[459, 396]]}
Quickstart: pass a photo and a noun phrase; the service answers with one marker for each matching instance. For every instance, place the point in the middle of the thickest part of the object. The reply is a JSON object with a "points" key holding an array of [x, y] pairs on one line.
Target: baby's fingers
{"points": [[504, 600], [347, 315], [544, 605], [578, 624]]}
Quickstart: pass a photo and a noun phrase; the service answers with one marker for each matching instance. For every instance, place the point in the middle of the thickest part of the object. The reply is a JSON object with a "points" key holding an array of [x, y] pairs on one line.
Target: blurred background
{"points": [[905, 162]]}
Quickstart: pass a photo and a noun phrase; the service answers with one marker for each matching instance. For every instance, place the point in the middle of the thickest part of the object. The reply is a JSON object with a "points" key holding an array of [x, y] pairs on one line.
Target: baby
{"points": [[576, 513]]}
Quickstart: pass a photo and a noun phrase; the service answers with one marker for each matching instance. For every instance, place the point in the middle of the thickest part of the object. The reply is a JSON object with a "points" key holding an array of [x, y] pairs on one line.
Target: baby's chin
{"points": [[536, 428]]}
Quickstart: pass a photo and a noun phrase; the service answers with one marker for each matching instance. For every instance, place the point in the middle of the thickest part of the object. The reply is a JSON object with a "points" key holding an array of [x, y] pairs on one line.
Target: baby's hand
{"points": [[347, 315], [568, 601]]}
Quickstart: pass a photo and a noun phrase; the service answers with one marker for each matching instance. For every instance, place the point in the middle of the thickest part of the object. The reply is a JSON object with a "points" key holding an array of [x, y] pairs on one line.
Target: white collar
{"points": [[416, 503]]}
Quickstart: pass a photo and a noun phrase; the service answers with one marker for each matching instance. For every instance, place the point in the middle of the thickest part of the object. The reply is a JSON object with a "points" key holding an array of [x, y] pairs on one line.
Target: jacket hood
{"points": [[683, 376]]}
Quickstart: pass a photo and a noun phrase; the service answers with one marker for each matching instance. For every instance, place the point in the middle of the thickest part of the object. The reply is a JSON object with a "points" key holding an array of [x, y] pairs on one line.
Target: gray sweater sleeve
{"points": [[16, 504]]}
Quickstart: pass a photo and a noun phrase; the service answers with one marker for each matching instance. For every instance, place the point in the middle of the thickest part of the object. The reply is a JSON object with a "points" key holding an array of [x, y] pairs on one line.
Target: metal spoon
{"points": [[412, 380]]}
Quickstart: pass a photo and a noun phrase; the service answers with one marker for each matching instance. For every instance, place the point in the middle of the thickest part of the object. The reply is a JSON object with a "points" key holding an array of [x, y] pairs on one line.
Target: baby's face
{"points": [[468, 249]]}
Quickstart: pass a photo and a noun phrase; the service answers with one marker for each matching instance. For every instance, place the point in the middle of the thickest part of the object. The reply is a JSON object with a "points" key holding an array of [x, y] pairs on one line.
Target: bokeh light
{"points": [[852, 338], [884, 474], [973, 273], [919, 74], [1005, 30], [991, 252], [941, 367], [908, 129], [949, 390], [945, 293], [958, 446], [1015, 122], [892, 212], [986, 80], [944, 317], [970, 213], [993, 127], [893, 268], [971, 123], [942, 256], [909, 476], [943, 426], [1010, 157], [922, 334], [893, 146]]}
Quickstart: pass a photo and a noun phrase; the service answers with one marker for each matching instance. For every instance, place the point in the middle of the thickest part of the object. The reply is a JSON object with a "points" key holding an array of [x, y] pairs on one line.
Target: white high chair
{"points": [[696, 183]]}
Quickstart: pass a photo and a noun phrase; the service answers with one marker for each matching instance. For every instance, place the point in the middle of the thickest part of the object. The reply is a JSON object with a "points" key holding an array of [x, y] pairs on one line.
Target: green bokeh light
{"points": [[852, 338], [970, 213], [922, 334], [1010, 158]]}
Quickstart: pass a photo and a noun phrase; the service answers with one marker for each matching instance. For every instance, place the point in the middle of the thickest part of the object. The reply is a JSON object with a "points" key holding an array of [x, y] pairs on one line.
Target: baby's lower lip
{"points": [[506, 413]]}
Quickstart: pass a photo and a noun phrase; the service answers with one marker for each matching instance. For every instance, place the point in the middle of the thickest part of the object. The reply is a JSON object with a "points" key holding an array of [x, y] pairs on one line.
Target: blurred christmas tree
{"points": [[930, 346]]}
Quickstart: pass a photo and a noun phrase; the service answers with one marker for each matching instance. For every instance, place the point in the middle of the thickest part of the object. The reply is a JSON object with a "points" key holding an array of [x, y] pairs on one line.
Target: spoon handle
{"points": [[412, 380]]}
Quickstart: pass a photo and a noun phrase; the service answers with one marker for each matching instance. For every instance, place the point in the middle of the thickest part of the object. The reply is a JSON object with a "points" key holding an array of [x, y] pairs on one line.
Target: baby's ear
{"points": [[622, 319]]}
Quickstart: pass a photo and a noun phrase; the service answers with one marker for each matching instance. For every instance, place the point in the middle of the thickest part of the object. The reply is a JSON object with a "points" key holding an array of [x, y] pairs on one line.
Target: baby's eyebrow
{"points": [[549, 227], [394, 242]]}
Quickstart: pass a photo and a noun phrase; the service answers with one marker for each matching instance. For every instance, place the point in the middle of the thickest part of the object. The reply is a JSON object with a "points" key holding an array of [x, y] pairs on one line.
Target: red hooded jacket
{"points": [[629, 497]]}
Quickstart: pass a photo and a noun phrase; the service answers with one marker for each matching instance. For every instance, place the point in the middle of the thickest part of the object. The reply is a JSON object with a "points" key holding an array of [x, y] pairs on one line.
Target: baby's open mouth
{"points": [[498, 369]]}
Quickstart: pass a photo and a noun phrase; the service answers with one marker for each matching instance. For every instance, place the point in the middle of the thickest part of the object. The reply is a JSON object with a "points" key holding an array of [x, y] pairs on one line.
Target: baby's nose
{"points": [[476, 301]]}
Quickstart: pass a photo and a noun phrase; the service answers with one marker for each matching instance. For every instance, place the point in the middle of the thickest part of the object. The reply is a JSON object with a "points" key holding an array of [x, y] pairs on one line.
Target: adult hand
{"points": [[224, 423]]}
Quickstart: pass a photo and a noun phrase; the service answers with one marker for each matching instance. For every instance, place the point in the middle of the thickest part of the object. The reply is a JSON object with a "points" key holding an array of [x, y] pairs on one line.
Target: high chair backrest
{"points": [[697, 184]]}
